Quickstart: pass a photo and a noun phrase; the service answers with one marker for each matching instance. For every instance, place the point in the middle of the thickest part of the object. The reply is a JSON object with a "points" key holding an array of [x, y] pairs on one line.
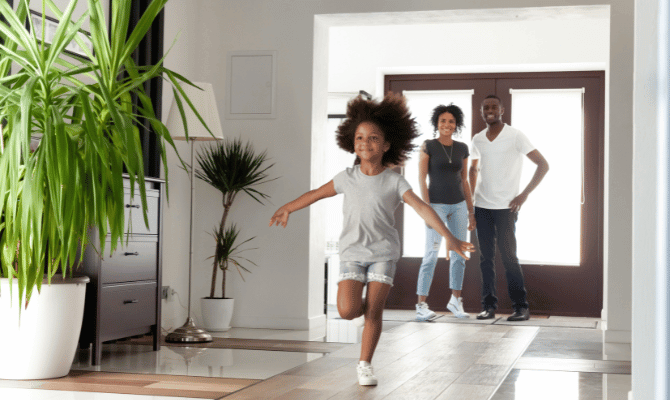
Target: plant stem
{"points": [[212, 290], [223, 282]]}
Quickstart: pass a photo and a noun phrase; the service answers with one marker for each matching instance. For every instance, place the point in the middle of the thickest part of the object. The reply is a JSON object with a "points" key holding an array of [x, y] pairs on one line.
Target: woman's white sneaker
{"points": [[423, 313], [455, 305], [365, 375]]}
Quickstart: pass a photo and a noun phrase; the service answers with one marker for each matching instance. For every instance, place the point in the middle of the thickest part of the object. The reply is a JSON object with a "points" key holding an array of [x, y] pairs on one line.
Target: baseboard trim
{"points": [[264, 322], [613, 336]]}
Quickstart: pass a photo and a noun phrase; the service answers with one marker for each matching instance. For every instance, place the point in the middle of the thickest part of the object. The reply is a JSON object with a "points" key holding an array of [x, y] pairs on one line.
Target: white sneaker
{"points": [[423, 313], [359, 321], [455, 305], [365, 375]]}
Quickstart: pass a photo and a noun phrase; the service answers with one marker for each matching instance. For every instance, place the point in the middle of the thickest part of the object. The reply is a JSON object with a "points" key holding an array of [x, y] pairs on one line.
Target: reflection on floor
{"points": [[561, 385], [218, 363], [449, 358]]}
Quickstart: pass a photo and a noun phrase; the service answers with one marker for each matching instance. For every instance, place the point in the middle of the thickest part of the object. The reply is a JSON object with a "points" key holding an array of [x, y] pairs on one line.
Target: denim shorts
{"points": [[367, 271]]}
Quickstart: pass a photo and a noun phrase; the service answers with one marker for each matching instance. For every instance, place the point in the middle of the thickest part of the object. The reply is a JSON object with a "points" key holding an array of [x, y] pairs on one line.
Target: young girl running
{"points": [[381, 134]]}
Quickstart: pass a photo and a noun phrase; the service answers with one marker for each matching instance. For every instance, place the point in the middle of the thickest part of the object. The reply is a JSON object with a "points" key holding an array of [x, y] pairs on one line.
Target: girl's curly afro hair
{"points": [[391, 116], [451, 109]]}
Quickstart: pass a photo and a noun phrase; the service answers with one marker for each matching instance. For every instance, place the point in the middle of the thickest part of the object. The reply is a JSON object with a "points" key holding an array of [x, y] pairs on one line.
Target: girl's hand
{"points": [[472, 222], [280, 217], [459, 247]]}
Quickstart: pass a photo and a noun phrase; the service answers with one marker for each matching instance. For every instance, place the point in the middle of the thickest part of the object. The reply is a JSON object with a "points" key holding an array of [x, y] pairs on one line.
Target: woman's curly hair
{"points": [[391, 116], [451, 109]]}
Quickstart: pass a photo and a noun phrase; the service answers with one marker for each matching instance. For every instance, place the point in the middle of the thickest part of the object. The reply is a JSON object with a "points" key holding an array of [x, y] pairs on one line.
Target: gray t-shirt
{"points": [[369, 203]]}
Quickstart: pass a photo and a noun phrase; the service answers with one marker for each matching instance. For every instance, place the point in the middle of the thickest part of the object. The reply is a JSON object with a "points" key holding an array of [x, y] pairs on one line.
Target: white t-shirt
{"points": [[369, 203], [500, 163]]}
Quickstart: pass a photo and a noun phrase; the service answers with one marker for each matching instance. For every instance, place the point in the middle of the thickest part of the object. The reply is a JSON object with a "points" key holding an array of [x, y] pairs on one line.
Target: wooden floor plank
{"points": [[138, 384], [272, 388], [466, 392], [573, 365], [424, 386]]}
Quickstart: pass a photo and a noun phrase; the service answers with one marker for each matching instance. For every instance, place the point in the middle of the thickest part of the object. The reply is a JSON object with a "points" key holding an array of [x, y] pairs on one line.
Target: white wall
{"points": [[358, 54], [650, 179], [284, 291]]}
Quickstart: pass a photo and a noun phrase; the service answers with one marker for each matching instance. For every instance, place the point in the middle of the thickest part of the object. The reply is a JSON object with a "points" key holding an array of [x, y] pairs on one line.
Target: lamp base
{"points": [[188, 333]]}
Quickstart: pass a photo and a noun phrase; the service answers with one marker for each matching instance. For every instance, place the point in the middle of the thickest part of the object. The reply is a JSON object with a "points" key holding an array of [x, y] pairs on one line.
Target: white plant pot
{"points": [[216, 314], [44, 343]]}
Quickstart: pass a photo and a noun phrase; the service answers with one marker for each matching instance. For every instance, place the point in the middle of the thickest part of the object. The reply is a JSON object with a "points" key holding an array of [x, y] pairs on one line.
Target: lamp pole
{"points": [[189, 332]]}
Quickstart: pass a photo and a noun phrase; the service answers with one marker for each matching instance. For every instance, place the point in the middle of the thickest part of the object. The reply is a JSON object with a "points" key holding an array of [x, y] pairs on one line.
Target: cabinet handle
{"points": [[137, 253], [132, 206], [130, 301]]}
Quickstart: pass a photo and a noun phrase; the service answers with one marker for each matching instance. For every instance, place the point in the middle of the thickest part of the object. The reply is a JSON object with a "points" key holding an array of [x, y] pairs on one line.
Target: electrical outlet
{"points": [[165, 292]]}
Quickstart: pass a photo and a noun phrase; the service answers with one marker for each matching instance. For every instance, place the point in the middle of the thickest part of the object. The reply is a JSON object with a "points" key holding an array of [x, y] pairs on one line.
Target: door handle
{"points": [[132, 206], [137, 253], [131, 301]]}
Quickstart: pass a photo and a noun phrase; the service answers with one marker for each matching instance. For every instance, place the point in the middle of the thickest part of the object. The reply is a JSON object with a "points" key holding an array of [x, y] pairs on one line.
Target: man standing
{"points": [[497, 155]]}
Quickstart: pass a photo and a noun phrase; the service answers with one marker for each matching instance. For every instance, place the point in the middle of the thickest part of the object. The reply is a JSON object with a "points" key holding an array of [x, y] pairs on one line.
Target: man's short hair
{"points": [[493, 96]]}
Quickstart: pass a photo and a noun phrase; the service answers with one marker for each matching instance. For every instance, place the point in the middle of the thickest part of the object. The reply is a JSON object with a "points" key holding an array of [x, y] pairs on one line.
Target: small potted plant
{"points": [[231, 167], [52, 194]]}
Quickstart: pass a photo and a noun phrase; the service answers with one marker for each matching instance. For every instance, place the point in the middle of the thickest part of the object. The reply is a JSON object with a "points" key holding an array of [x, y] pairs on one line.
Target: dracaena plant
{"points": [[231, 167], [82, 109]]}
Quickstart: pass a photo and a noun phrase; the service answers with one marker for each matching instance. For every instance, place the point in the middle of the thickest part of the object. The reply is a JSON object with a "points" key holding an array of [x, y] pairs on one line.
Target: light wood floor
{"points": [[413, 361]]}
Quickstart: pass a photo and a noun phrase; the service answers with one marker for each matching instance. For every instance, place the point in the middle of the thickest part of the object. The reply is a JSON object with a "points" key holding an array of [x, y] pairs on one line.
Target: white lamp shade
{"points": [[205, 103]]}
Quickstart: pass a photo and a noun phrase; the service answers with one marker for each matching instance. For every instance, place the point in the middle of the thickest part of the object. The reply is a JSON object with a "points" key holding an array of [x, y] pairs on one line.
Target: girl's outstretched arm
{"points": [[428, 214], [280, 217]]}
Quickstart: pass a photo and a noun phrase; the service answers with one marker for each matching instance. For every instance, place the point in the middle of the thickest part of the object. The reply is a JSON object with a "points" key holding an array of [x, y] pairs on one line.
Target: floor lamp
{"points": [[204, 102]]}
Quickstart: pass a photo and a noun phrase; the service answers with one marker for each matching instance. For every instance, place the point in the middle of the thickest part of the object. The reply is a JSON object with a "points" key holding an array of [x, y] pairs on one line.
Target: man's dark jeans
{"points": [[492, 226]]}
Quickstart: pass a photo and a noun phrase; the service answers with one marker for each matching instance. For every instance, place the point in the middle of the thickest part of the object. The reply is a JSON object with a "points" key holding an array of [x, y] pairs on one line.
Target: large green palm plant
{"points": [[231, 167], [82, 110]]}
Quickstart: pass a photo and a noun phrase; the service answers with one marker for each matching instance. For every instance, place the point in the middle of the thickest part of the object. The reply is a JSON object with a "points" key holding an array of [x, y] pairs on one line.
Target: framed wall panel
{"points": [[251, 85]]}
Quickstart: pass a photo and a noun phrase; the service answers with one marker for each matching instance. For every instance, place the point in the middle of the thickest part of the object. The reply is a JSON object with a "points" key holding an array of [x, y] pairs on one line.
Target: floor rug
{"points": [[556, 322], [401, 315], [137, 384]]}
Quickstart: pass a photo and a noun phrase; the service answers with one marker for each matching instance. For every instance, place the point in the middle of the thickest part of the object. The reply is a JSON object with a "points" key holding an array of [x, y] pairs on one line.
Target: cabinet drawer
{"points": [[136, 261], [127, 306], [134, 216]]}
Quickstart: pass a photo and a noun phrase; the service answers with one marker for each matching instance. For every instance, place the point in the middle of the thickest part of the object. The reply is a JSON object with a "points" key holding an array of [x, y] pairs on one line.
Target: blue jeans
{"points": [[455, 216], [499, 226]]}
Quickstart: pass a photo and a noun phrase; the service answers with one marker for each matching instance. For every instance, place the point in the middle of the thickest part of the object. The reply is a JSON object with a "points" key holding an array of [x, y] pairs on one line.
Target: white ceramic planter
{"points": [[44, 343], [216, 314]]}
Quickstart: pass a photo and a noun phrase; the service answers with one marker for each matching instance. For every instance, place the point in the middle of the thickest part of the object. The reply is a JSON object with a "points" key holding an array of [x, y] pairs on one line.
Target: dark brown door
{"points": [[552, 289]]}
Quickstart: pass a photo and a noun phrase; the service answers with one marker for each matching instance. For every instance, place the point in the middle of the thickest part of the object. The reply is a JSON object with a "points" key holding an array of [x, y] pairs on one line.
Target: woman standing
{"points": [[445, 161]]}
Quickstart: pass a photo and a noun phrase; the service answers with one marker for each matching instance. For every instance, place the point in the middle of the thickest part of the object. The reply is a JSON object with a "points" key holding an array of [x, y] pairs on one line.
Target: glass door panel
{"points": [[421, 104], [554, 207]]}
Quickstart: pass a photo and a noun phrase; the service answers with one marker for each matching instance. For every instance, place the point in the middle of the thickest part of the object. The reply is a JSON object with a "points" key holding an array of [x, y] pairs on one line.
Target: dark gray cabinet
{"points": [[123, 298]]}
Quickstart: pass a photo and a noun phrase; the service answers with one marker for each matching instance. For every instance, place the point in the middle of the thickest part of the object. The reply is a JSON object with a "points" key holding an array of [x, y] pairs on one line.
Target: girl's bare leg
{"points": [[350, 299], [374, 307]]}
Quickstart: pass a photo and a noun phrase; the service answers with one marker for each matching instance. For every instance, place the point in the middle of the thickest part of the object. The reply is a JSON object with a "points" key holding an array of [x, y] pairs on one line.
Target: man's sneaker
{"points": [[365, 375], [455, 305], [423, 313]]}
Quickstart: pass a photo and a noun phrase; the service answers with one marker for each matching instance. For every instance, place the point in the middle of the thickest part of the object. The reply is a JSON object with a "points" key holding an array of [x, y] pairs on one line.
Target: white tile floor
{"points": [[224, 363], [218, 363]]}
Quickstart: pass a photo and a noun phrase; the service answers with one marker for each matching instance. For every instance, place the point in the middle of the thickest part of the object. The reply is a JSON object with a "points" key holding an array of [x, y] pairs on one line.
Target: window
{"points": [[553, 121]]}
